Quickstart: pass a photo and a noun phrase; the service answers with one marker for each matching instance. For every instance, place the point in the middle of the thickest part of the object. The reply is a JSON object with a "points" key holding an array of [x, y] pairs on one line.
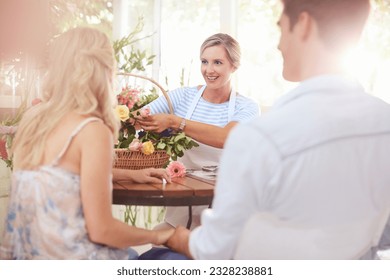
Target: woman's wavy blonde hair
{"points": [[81, 68]]}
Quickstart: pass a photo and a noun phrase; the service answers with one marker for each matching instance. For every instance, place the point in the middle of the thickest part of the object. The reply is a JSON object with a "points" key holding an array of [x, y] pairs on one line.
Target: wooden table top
{"points": [[185, 191]]}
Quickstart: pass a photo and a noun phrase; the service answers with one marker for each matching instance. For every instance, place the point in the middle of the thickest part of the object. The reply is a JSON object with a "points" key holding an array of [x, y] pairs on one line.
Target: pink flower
{"points": [[145, 112], [128, 96], [176, 169], [135, 145], [36, 101]]}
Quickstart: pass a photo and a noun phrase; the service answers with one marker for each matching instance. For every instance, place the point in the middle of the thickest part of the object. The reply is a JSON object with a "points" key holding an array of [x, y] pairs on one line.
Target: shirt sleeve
{"points": [[160, 105], [240, 192], [246, 110]]}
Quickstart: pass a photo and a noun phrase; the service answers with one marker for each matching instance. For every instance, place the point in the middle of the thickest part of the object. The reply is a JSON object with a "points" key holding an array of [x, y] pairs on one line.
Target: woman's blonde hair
{"points": [[231, 46], [81, 68]]}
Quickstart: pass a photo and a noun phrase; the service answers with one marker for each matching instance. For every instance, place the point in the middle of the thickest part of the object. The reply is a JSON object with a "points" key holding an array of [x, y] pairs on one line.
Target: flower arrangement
{"points": [[132, 101]]}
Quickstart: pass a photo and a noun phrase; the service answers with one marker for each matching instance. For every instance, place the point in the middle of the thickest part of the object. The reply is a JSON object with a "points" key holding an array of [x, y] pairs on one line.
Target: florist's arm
{"points": [[96, 194], [148, 175], [200, 132]]}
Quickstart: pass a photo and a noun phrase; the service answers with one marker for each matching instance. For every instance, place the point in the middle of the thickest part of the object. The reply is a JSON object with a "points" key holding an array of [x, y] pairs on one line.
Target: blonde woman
{"points": [[207, 113], [60, 203]]}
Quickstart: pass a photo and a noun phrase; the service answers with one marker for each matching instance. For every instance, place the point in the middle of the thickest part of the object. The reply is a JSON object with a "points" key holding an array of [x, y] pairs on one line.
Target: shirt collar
{"points": [[329, 83]]}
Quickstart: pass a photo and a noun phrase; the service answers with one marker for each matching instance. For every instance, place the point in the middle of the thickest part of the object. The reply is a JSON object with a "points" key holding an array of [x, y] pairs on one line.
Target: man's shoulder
{"points": [[313, 120]]}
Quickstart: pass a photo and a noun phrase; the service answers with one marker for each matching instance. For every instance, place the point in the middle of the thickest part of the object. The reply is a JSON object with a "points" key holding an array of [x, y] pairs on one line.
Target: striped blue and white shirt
{"points": [[205, 112]]}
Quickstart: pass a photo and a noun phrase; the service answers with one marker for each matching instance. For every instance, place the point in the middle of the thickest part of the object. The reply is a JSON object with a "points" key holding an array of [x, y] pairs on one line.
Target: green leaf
{"points": [[169, 150], [161, 146], [180, 148], [179, 136]]}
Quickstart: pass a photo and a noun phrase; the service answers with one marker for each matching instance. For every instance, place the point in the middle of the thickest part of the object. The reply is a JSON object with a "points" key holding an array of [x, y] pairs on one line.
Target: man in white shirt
{"points": [[310, 179]]}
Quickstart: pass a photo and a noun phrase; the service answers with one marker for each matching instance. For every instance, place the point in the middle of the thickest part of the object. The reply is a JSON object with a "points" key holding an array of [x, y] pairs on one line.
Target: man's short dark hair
{"points": [[340, 22]]}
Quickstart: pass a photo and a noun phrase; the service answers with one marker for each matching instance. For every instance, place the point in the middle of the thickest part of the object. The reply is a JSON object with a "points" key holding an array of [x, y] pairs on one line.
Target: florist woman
{"points": [[206, 113]]}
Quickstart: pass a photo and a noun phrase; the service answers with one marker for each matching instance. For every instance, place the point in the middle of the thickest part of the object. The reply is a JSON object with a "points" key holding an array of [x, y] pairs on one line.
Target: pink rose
{"points": [[176, 169], [135, 145], [145, 112]]}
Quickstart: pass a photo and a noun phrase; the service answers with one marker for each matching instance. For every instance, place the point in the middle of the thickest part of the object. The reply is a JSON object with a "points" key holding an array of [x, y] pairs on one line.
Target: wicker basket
{"points": [[126, 159]]}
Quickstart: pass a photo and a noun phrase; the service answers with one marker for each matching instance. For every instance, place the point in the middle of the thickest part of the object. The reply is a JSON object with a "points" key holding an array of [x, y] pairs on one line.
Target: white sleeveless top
{"points": [[45, 216]]}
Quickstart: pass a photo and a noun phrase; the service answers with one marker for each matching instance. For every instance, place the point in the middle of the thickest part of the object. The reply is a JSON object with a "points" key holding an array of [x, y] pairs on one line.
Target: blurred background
{"points": [[161, 39]]}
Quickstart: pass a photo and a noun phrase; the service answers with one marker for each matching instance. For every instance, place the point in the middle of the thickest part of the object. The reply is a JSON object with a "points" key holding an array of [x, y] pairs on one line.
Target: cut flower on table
{"points": [[176, 169]]}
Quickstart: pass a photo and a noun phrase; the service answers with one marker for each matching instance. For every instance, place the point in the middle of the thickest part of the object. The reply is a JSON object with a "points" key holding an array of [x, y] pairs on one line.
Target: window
{"points": [[184, 26], [180, 26]]}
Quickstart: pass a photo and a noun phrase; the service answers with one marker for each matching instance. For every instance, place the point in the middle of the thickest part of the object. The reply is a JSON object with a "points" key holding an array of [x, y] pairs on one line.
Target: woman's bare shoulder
{"points": [[96, 130]]}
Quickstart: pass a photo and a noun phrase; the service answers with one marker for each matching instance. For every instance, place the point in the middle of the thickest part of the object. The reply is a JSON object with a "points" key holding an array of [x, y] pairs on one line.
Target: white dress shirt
{"points": [[315, 172]]}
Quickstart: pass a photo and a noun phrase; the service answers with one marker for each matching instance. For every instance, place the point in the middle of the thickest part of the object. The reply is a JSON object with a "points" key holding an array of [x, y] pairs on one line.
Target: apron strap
{"points": [[232, 105], [194, 102]]}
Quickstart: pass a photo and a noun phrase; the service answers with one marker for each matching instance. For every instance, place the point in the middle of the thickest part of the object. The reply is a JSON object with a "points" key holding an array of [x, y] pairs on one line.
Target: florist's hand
{"points": [[156, 123], [151, 175]]}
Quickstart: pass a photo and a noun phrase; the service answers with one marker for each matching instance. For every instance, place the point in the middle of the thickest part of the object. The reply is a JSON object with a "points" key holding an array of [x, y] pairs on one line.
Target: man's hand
{"points": [[179, 241]]}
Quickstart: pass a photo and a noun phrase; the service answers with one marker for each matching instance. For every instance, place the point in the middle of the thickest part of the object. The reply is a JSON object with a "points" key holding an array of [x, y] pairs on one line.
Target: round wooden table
{"points": [[188, 191]]}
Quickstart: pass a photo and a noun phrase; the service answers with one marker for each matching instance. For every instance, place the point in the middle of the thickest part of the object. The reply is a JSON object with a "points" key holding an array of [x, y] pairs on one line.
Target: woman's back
{"points": [[46, 219], [61, 195]]}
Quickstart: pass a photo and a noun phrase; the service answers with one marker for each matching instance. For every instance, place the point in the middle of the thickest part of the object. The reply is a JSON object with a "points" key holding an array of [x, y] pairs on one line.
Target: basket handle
{"points": [[155, 83]]}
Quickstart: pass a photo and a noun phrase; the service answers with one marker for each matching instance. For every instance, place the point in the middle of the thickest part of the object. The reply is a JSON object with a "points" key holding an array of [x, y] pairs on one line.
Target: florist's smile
{"points": [[212, 78], [215, 66]]}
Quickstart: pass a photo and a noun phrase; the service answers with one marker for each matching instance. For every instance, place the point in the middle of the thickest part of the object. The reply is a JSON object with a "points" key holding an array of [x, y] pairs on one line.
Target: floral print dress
{"points": [[45, 216]]}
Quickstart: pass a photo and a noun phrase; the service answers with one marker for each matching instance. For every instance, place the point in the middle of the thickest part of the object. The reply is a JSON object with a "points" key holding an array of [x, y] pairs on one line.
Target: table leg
{"points": [[189, 217]]}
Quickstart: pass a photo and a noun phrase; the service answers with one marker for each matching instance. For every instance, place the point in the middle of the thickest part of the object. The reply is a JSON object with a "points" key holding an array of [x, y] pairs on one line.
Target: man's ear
{"points": [[304, 25]]}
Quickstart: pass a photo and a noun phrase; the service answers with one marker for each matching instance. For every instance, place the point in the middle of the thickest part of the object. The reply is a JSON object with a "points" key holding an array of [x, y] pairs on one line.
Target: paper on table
{"points": [[207, 176]]}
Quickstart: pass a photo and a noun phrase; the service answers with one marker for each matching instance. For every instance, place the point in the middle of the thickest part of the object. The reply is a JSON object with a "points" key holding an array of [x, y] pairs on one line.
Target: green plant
{"points": [[152, 215], [7, 132], [128, 60]]}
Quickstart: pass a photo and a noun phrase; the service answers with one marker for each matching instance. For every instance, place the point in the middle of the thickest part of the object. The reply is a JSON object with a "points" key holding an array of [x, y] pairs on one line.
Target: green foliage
{"points": [[145, 99], [130, 215], [128, 60], [174, 144], [152, 215], [12, 121], [66, 14]]}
